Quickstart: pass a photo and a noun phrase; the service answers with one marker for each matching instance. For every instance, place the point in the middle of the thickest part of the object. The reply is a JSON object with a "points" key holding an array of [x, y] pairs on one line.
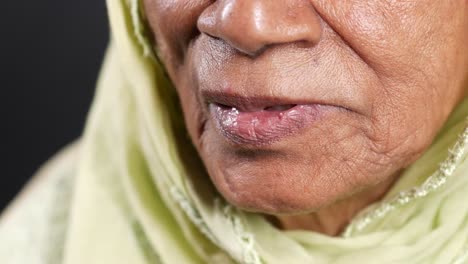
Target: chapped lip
{"points": [[261, 121]]}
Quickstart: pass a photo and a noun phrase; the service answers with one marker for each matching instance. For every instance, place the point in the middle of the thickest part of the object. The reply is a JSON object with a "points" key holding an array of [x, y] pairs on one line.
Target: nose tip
{"points": [[250, 26]]}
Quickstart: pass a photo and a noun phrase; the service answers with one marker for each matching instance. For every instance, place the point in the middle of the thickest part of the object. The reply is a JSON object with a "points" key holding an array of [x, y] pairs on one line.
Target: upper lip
{"points": [[250, 103]]}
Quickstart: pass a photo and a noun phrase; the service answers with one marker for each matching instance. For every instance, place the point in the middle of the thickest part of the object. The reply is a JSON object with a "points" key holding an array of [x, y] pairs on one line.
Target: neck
{"points": [[333, 219]]}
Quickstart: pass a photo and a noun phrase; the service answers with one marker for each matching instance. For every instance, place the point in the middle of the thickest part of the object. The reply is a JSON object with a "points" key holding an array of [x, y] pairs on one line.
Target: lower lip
{"points": [[263, 127]]}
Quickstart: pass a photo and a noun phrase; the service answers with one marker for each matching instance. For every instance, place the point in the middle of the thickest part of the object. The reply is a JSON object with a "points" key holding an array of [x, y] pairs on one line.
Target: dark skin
{"points": [[391, 72]]}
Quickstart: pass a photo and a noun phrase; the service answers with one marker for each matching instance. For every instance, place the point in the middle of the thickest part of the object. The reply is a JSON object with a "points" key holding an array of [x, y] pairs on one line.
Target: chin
{"points": [[262, 193], [274, 186]]}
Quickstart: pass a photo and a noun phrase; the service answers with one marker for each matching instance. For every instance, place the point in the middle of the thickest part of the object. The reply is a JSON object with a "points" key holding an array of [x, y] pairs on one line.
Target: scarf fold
{"points": [[143, 196]]}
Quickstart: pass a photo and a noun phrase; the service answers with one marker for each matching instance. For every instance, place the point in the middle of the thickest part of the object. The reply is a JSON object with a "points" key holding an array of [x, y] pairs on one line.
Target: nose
{"points": [[252, 25]]}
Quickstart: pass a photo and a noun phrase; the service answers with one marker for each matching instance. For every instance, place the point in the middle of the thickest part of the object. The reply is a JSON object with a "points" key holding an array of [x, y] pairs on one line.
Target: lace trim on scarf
{"points": [[192, 213], [433, 183], [245, 239]]}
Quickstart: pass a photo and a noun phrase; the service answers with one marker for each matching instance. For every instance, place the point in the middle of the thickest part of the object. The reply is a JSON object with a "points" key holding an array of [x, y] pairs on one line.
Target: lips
{"points": [[258, 122]]}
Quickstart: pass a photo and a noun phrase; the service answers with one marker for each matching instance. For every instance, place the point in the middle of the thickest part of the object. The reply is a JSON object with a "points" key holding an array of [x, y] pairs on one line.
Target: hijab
{"points": [[142, 195]]}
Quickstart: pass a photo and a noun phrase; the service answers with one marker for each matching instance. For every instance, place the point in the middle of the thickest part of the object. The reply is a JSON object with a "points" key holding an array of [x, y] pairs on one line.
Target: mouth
{"points": [[259, 121]]}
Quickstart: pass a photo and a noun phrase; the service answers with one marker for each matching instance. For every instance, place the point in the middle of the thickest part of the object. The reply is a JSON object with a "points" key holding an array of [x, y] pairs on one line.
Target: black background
{"points": [[50, 55]]}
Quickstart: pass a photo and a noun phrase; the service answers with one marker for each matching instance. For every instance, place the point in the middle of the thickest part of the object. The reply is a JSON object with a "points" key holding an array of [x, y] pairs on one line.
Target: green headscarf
{"points": [[143, 196]]}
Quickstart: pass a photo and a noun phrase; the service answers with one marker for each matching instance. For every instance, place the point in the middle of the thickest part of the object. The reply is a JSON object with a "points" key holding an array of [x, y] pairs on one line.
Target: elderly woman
{"points": [[315, 132]]}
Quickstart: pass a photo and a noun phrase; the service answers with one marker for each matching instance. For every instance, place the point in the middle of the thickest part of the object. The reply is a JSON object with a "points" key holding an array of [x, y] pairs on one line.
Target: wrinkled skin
{"points": [[393, 70]]}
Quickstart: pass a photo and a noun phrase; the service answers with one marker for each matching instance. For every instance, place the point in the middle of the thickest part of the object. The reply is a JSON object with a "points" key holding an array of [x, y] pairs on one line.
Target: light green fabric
{"points": [[142, 195], [32, 228]]}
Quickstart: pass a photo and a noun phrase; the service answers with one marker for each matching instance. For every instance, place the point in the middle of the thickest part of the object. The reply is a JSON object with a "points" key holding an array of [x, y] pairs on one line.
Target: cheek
{"points": [[392, 36], [419, 80]]}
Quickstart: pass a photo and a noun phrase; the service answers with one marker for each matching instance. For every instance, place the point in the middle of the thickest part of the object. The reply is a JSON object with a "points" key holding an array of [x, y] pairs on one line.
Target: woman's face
{"points": [[293, 105]]}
